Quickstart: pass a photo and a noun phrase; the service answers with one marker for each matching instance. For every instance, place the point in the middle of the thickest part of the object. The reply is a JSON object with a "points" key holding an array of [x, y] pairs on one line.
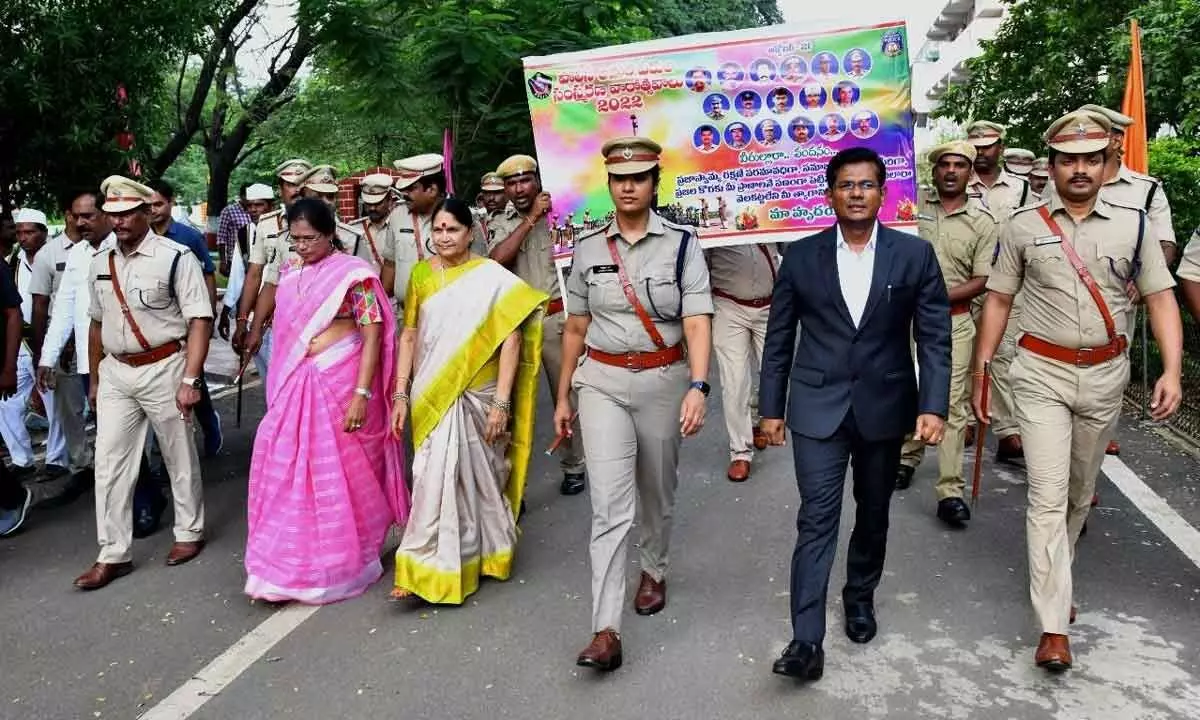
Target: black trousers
{"points": [[821, 476]]}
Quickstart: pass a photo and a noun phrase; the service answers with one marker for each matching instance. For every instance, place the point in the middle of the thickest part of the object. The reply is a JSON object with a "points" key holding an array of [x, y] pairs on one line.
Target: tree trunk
{"points": [[219, 172]]}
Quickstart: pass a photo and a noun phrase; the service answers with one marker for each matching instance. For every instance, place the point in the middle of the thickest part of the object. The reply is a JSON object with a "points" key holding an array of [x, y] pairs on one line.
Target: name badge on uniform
{"points": [[1046, 240], [923, 216], [597, 269], [60, 266], [104, 277], [404, 230]]}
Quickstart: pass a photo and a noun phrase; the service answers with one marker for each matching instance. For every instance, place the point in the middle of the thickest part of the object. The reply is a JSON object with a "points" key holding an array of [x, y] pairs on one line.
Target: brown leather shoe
{"points": [[760, 439], [969, 436], [651, 596], [1114, 448], [182, 552], [739, 470], [102, 574], [603, 653], [1053, 653], [1010, 448]]}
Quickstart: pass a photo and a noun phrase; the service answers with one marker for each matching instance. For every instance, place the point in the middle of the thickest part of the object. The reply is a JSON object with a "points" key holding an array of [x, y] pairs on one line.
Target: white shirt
{"points": [[24, 273], [233, 288], [854, 272], [71, 302]]}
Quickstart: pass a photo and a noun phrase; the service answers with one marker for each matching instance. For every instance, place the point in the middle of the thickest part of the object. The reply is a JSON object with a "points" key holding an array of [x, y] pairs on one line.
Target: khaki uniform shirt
{"points": [[1133, 189], [1004, 196], [744, 271], [270, 226], [281, 252], [48, 267], [145, 278], [1189, 264], [535, 259], [593, 287], [411, 240], [964, 240], [1058, 306]]}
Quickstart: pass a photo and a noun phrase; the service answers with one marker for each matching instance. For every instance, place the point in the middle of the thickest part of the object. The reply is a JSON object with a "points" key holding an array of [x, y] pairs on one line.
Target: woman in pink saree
{"points": [[326, 478]]}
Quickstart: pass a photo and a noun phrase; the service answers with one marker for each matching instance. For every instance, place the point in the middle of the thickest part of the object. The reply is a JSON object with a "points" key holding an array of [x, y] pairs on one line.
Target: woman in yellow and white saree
{"points": [[471, 347]]}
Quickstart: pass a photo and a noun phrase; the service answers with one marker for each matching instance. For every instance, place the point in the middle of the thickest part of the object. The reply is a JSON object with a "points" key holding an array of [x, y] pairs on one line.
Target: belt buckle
{"points": [[629, 361], [1081, 353]]}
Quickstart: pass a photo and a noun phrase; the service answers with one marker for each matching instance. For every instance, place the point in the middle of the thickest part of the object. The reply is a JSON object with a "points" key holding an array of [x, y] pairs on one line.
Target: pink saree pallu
{"points": [[321, 500]]}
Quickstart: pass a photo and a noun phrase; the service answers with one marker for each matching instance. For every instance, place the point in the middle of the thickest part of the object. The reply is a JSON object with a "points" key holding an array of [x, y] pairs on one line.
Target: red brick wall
{"points": [[347, 203]]}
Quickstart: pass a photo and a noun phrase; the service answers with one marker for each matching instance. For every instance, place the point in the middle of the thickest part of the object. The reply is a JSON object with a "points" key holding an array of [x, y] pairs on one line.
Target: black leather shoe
{"points": [[954, 512], [801, 660], [573, 484], [860, 623], [904, 476]]}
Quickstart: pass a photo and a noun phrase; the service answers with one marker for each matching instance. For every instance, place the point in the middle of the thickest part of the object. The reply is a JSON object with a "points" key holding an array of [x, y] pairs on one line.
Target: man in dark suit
{"points": [[859, 293]]}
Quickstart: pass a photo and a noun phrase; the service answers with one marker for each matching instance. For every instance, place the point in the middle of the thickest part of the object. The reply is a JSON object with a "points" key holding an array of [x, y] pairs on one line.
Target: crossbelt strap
{"points": [[137, 331], [416, 226], [630, 295], [1088, 281], [371, 243], [770, 260]]}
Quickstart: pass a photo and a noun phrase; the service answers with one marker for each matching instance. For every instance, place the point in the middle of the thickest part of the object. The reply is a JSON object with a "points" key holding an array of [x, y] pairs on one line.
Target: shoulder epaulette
{"points": [[1030, 206], [593, 232], [348, 228], [1123, 205]]}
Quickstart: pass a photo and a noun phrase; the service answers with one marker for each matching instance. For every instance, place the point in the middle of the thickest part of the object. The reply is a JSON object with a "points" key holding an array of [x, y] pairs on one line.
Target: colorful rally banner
{"points": [[748, 121]]}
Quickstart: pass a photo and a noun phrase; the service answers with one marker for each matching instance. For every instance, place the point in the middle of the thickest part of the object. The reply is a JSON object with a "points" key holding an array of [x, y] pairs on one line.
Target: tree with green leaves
{"points": [[79, 82]]}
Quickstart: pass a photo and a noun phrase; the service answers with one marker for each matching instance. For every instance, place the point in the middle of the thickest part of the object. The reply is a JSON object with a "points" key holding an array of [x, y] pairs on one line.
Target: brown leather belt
{"points": [[554, 307], [1079, 357], [151, 356], [959, 308], [639, 360], [761, 302]]}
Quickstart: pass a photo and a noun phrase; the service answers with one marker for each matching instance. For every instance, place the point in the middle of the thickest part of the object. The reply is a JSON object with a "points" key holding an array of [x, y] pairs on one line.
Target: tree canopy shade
{"points": [[62, 65]]}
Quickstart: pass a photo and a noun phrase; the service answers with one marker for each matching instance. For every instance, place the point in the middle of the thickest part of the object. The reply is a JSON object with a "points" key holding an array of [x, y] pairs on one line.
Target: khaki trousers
{"points": [[570, 452], [1004, 421], [950, 452], [631, 422], [1066, 417], [738, 334], [130, 400]]}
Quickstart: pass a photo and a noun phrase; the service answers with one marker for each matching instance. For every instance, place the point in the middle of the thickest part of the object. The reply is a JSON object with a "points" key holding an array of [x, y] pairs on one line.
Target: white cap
{"points": [[416, 167], [29, 215], [259, 191], [374, 187]]}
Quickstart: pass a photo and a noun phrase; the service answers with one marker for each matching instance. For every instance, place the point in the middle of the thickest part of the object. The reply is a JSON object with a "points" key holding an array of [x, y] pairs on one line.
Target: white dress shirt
{"points": [[71, 302], [855, 270]]}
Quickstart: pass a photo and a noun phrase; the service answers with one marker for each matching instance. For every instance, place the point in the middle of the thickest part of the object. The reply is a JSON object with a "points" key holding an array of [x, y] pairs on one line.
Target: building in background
{"points": [[949, 39]]}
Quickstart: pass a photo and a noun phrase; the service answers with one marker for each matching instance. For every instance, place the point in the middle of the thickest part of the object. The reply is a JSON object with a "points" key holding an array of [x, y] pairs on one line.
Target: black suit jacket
{"points": [[837, 367]]}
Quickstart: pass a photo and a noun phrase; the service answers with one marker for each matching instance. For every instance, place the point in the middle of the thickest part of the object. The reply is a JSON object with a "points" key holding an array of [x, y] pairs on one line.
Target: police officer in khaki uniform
{"points": [[638, 288], [1126, 187], [519, 239], [151, 319], [375, 191], [1001, 192], [491, 193], [743, 279], [1072, 256], [270, 231], [964, 236], [1039, 175]]}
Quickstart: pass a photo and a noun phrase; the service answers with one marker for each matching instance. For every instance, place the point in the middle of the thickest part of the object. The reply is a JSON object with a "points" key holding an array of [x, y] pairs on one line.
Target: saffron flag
{"points": [[1137, 157]]}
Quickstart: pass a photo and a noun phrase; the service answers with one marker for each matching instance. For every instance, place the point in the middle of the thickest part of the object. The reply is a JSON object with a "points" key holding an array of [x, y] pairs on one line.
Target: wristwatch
{"points": [[193, 382], [702, 386], [364, 392]]}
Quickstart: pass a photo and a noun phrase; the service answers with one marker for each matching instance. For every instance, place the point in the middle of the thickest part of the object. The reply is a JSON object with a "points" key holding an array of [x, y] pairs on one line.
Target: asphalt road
{"points": [[956, 632]]}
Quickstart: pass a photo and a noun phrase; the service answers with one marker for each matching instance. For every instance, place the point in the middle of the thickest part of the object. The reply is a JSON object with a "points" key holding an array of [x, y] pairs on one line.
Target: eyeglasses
{"points": [[306, 239], [864, 185]]}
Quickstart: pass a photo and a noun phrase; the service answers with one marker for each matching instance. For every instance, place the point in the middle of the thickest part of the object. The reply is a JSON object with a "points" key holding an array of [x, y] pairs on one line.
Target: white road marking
{"points": [[1154, 507], [232, 389], [216, 676]]}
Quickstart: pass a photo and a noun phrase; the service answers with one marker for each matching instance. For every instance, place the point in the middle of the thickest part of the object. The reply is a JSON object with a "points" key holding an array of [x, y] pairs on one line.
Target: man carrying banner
{"points": [[742, 277], [1071, 256], [520, 240], [963, 235]]}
